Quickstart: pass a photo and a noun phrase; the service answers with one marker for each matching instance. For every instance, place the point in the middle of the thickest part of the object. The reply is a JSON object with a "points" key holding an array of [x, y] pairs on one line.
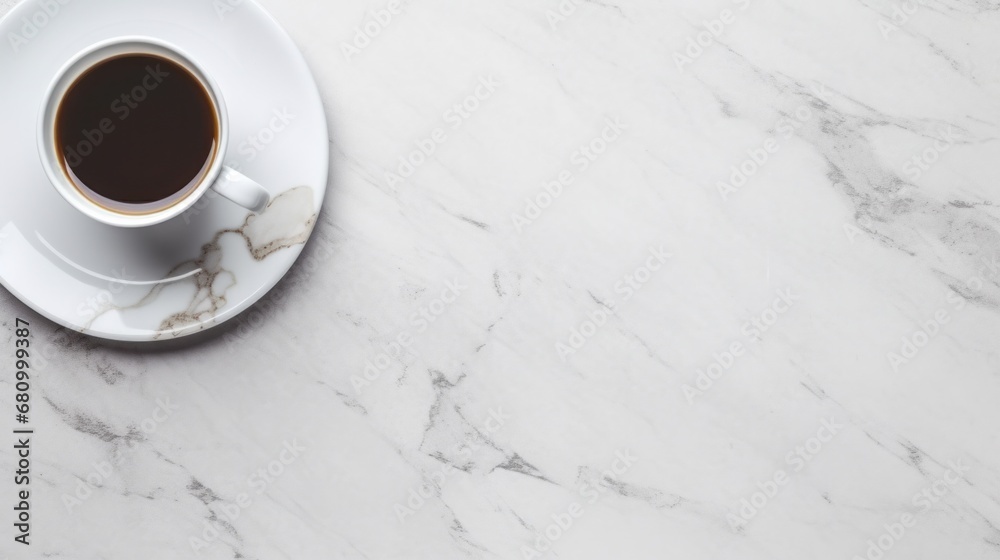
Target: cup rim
{"points": [[48, 151]]}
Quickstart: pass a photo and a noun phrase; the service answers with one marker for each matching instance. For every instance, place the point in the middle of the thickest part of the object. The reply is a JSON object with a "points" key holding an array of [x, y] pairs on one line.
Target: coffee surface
{"points": [[136, 130]]}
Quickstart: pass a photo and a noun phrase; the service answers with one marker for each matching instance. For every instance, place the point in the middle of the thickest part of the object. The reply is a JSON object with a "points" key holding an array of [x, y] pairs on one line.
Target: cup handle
{"points": [[238, 188]]}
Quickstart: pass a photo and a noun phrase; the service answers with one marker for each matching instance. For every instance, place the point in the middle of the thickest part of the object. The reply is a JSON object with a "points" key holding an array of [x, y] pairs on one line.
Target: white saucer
{"points": [[193, 272]]}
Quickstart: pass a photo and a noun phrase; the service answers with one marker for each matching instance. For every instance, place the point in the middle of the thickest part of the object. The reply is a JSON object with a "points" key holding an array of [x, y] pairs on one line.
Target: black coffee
{"points": [[137, 130]]}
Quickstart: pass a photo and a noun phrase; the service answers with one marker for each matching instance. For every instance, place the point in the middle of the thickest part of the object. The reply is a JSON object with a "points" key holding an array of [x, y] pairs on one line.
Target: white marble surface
{"points": [[839, 246]]}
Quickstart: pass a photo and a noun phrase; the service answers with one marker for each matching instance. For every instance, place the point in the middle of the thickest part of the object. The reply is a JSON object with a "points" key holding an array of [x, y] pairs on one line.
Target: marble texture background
{"points": [[449, 372]]}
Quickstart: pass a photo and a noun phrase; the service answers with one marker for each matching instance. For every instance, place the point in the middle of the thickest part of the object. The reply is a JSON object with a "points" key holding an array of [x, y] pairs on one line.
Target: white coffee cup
{"points": [[223, 180]]}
